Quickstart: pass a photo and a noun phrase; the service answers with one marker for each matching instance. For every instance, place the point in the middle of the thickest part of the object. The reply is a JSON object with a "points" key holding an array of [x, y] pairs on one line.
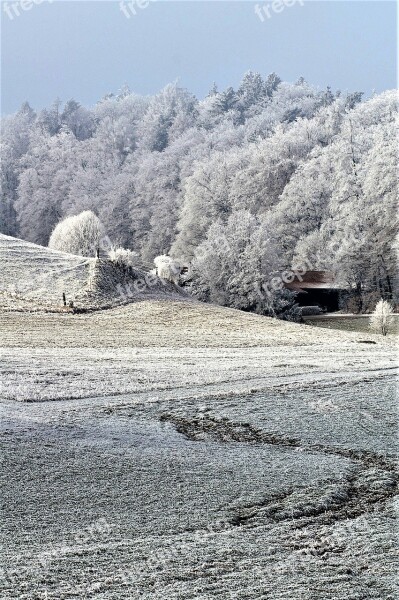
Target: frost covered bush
{"points": [[285, 307], [382, 318], [168, 268], [123, 257], [80, 234]]}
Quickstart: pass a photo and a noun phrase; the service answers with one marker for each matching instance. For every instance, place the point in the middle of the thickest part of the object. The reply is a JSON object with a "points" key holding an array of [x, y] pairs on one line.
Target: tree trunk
{"points": [[359, 296]]}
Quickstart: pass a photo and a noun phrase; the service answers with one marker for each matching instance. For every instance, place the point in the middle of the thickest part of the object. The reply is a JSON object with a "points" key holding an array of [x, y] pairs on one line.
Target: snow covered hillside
{"points": [[34, 277]]}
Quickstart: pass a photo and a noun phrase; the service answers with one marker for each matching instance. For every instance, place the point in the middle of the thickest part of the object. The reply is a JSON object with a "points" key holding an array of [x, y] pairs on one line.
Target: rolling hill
{"points": [[35, 278]]}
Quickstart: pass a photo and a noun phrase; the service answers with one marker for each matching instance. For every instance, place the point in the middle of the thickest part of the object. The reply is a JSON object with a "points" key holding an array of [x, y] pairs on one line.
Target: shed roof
{"points": [[313, 280]]}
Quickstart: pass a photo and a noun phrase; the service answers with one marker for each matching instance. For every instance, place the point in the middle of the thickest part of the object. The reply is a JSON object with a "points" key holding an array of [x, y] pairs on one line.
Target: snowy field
{"points": [[168, 449], [165, 449]]}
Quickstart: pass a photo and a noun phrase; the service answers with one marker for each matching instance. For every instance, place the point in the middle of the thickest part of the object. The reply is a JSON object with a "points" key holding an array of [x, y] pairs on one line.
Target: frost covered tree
{"points": [[78, 119], [81, 235], [15, 141], [49, 120], [168, 268], [382, 318], [206, 199], [118, 121], [225, 101], [238, 266], [170, 112], [338, 211], [252, 94], [44, 183]]}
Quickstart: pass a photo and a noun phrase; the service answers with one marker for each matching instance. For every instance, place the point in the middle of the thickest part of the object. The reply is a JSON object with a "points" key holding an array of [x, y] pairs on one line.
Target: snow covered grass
{"points": [[31, 374], [210, 517], [172, 322], [162, 345], [170, 450], [34, 278], [359, 323]]}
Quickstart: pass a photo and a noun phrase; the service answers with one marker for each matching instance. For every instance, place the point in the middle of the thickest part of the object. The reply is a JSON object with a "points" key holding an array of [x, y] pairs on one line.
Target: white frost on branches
{"points": [[80, 235], [168, 268], [382, 318], [123, 257], [238, 265]]}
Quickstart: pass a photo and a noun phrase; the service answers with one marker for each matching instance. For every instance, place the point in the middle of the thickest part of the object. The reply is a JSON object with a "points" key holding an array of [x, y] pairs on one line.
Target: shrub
{"points": [[382, 318], [123, 257], [80, 234], [168, 268]]}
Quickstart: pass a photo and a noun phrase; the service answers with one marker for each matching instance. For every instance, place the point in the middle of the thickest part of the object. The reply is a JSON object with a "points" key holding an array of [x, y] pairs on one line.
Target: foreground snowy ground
{"points": [[168, 449]]}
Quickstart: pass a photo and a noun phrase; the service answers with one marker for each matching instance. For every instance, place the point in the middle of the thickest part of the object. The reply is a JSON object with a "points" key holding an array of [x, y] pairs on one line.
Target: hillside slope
{"points": [[172, 323], [33, 277]]}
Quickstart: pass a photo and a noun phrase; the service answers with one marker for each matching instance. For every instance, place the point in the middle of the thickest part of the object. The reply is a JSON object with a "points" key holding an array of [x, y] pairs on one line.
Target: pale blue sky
{"points": [[84, 49]]}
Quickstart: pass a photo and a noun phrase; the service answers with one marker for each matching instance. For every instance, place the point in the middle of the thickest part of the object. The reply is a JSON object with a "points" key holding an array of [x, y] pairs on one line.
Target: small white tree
{"points": [[80, 234], [168, 268], [382, 318], [123, 257]]}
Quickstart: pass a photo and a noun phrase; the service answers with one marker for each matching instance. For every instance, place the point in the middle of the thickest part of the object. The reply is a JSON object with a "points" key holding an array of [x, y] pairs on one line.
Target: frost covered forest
{"points": [[244, 183]]}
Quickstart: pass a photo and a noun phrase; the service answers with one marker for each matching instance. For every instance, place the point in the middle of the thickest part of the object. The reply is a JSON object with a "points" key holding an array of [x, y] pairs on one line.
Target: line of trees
{"points": [[287, 173]]}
